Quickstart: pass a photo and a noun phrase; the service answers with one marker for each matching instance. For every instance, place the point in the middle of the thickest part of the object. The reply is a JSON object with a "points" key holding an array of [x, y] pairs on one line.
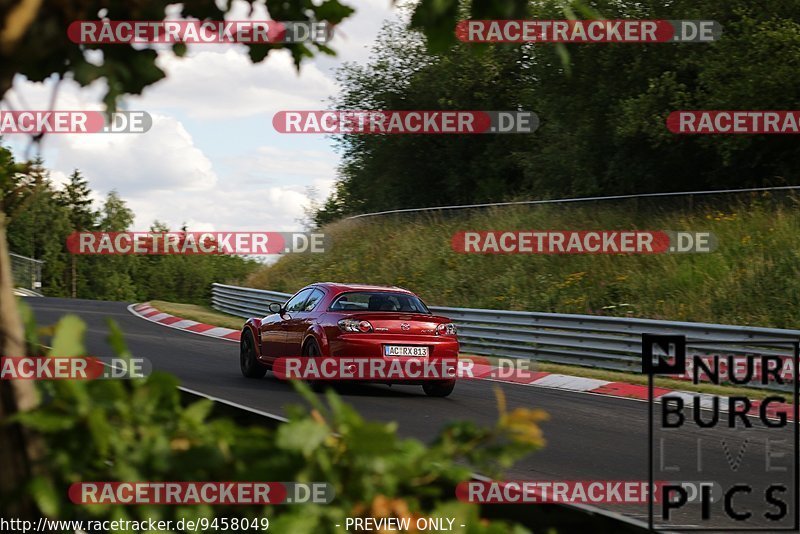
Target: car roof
{"points": [[340, 287]]}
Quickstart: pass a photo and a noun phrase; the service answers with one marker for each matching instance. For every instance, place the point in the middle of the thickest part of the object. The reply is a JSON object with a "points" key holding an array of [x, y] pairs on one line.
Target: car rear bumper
{"points": [[442, 351], [372, 346]]}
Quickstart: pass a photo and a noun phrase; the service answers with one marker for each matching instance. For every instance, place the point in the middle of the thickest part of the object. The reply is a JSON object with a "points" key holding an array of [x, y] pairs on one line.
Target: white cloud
{"points": [[163, 176], [265, 208], [222, 85], [163, 158], [272, 164]]}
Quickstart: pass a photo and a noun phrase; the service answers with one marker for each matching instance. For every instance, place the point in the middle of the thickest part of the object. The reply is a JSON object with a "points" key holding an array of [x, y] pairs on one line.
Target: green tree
{"points": [[113, 276], [76, 198], [116, 216], [602, 110], [39, 226]]}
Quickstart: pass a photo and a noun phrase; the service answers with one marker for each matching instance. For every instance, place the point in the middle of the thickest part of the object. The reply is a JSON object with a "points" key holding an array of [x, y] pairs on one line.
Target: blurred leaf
{"points": [[198, 411], [46, 497], [371, 438], [116, 338], [437, 18], [29, 323], [301, 436], [101, 431], [179, 49], [43, 421], [333, 11], [68, 337]]}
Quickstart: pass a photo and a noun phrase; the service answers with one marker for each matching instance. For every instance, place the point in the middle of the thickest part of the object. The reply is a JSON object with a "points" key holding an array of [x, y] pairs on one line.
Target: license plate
{"points": [[404, 350]]}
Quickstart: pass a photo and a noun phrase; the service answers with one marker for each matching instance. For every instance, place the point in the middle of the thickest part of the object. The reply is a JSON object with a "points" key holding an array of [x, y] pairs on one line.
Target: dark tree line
{"points": [[602, 109], [42, 215]]}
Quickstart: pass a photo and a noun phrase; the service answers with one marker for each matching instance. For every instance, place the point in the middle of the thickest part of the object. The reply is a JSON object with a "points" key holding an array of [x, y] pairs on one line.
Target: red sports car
{"points": [[330, 320]]}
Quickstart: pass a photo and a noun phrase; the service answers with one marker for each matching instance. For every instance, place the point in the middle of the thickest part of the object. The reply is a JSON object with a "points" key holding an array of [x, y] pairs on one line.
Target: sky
{"points": [[212, 159]]}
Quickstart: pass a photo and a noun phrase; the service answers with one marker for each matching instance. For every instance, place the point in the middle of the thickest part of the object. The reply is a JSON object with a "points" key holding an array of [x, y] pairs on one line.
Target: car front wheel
{"points": [[312, 350], [249, 364]]}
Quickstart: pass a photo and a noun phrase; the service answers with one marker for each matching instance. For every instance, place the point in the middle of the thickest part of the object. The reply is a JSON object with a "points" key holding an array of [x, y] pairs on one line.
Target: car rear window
{"points": [[378, 301]]}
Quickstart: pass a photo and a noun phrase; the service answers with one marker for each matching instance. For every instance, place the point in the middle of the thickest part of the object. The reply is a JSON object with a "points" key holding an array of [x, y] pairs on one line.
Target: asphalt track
{"points": [[588, 436]]}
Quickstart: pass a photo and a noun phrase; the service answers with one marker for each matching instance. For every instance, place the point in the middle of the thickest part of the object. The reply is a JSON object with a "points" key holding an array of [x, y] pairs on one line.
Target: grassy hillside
{"points": [[751, 279]]}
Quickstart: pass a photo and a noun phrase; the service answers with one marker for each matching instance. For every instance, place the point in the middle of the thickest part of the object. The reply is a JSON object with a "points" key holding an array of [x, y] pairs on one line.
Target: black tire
{"points": [[250, 366], [439, 389], [312, 350]]}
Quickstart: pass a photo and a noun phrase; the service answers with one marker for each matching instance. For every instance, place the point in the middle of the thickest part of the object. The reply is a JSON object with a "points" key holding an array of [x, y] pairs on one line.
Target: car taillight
{"points": [[353, 325], [446, 329]]}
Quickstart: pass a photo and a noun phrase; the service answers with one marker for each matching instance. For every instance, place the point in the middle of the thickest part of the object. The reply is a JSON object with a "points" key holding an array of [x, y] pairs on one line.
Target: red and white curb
{"points": [[484, 371], [627, 391], [145, 311]]}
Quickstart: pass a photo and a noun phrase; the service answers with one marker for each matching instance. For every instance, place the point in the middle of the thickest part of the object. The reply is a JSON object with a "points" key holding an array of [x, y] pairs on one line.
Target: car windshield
{"points": [[379, 301]]}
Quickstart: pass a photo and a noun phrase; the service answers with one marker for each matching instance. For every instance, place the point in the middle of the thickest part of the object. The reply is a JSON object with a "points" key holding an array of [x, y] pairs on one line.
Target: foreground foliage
{"points": [[113, 430]]}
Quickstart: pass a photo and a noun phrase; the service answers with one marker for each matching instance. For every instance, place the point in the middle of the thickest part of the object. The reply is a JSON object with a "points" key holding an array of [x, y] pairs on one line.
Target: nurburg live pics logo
{"points": [[746, 451]]}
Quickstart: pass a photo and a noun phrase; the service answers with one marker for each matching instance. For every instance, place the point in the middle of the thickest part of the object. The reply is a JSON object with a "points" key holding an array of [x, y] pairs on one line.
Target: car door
{"points": [[301, 319], [273, 332]]}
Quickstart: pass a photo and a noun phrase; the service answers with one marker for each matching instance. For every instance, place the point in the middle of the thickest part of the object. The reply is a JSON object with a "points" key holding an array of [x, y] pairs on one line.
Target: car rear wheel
{"points": [[439, 389], [249, 364]]}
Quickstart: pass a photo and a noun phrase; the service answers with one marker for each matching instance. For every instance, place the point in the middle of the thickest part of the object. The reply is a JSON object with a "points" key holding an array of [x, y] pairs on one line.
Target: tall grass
{"points": [[751, 279]]}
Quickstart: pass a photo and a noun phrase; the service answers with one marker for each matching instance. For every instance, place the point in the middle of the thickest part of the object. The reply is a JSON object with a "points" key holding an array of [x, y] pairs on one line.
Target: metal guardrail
{"points": [[580, 199], [595, 341], [27, 273]]}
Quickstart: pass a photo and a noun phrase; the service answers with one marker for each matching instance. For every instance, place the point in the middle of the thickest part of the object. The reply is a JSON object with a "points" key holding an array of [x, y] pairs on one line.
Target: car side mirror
{"points": [[276, 307]]}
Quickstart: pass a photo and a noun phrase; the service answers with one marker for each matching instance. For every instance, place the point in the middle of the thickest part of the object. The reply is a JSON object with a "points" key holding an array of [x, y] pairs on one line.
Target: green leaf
{"points": [[372, 438], [437, 18], [29, 323], [179, 49], [116, 339], [43, 421], [100, 429], [198, 411], [68, 337], [332, 11], [304, 391], [45, 495], [301, 436]]}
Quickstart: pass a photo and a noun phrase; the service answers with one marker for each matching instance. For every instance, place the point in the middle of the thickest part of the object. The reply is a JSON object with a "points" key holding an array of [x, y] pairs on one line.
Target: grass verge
{"points": [[201, 314], [752, 278]]}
